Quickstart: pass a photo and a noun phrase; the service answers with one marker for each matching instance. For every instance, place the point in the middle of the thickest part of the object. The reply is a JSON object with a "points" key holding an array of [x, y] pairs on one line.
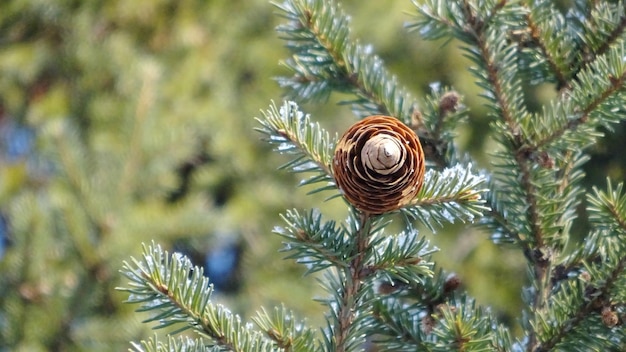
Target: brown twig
{"points": [[352, 288], [535, 34]]}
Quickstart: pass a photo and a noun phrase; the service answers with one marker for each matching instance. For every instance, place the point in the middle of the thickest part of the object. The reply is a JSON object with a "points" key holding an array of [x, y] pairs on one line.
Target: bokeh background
{"points": [[126, 122]]}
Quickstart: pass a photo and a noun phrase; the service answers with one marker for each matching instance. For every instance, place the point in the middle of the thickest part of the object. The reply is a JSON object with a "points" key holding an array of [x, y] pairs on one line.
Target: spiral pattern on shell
{"points": [[379, 164]]}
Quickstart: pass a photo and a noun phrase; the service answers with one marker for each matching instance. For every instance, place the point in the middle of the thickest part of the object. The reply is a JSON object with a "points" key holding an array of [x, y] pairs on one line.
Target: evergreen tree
{"points": [[384, 290], [118, 125], [90, 172]]}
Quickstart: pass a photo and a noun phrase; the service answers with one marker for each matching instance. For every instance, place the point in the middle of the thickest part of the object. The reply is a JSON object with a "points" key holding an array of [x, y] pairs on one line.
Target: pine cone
{"points": [[379, 164]]}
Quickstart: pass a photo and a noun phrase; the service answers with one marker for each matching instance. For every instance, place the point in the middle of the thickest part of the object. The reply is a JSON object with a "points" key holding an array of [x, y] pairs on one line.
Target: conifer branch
{"points": [[608, 214], [503, 228], [442, 113], [293, 133], [399, 325], [613, 37], [314, 243], [608, 209], [438, 319], [597, 38], [452, 194], [594, 299], [469, 24], [325, 58], [537, 35], [287, 333], [73, 162], [173, 344], [505, 108], [349, 298], [534, 247], [357, 254], [590, 104], [406, 314], [179, 294], [475, 29], [401, 258], [462, 325], [531, 199]]}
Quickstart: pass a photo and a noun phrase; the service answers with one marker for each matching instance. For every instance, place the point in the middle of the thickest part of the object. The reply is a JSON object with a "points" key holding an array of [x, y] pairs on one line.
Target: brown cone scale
{"points": [[379, 164]]}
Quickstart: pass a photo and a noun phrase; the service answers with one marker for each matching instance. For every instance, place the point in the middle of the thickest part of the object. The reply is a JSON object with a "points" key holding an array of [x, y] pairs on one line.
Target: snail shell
{"points": [[379, 164]]}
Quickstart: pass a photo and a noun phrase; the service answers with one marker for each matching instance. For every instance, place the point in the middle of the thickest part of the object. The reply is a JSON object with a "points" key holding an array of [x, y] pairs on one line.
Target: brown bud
{"points": [[379, 164], [453, 281], [442, 307], [416, 119], [428, 324], [387, 287], [448, 102], [545, 160], [584, 276], [609, 317]]}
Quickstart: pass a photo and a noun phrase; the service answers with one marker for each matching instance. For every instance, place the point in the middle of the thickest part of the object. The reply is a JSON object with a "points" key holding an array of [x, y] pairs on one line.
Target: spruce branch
{"points": [[481, 27], [547, 29], [349, 293], [559, 196], [433, 316], [452, 193], [325, 58], [461, 19], [399, 325], [178, 294], [351, 297], [442, 113], [553, 204], [173, 344], [449, 195], [503, 228], [504, 88], [608, 209], [453, 324], [601, 26], [478, 26], [465, 326], [535, 216], [403, 258], [617, 31], [288, 333], [472, 24], [313, 242], [358, 254], [603, 263], [590, 102], [549, 211], [575, 303], [293, 133]]}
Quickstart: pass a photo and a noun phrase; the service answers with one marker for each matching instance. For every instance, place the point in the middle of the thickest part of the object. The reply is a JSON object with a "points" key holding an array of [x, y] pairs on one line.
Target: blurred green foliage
{"points": [[142, 115]]}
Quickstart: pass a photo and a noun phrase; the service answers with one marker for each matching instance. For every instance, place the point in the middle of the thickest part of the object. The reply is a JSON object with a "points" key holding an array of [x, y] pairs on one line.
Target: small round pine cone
{"points": [[379, 164]]}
